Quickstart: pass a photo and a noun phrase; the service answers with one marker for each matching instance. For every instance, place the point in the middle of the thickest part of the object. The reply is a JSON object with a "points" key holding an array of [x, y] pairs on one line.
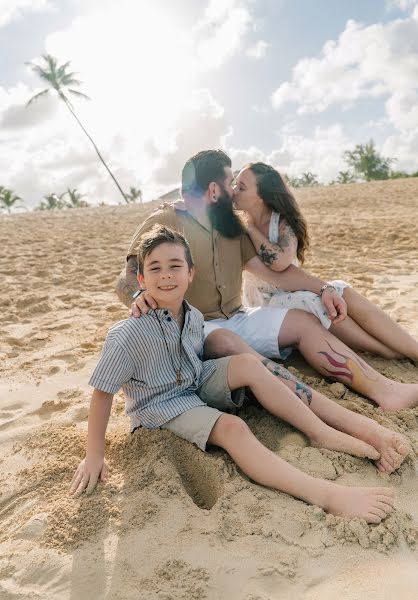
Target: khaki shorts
{"points": [[196, 424]]}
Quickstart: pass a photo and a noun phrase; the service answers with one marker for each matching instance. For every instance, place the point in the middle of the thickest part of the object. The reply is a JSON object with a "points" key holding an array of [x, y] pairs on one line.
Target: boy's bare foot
{"points": [[393, 448], [399, 396], [371, 504], [332, 439]]}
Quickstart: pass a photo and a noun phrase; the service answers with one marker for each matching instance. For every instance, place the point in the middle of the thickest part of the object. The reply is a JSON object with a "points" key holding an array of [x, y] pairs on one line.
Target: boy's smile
{"points": [[166, 275]]}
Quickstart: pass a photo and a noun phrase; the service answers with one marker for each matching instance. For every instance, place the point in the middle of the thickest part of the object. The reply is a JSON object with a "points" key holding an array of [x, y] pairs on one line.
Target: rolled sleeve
{"points": [[115, 367]]}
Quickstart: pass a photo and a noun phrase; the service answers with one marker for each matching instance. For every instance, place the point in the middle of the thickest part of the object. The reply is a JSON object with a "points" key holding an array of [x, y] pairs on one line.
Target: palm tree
{"points": [[75, 200], [134, 194], [59, 79], [8, 199], [52, 202]]}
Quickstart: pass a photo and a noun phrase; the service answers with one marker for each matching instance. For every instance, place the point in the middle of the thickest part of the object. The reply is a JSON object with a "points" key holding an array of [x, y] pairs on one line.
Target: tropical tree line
{"points": [[364, 163], [71, 198]]}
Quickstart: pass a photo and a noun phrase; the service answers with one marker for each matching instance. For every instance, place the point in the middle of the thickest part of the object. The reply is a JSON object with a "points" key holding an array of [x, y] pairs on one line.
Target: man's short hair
{"points": [[201, 169], [160, 234]]}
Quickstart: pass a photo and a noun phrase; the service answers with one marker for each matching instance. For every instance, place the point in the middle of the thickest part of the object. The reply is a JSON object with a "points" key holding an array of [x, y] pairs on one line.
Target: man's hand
{"points": [[87, 475], [142, 304], [335, 305]]}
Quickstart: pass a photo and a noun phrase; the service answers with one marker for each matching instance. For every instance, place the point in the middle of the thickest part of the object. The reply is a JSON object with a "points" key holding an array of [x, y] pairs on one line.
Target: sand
{"points": [[173, 522]]}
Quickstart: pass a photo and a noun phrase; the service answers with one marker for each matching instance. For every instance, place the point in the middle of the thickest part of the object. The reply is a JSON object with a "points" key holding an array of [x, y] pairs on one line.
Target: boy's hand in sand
{"points": [[87, 475], [335, 305], [142, 304]]}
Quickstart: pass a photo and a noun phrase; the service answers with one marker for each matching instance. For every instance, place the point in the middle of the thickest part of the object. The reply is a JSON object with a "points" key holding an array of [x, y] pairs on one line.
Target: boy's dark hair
{"points": [[160, 234], [201, 169]]}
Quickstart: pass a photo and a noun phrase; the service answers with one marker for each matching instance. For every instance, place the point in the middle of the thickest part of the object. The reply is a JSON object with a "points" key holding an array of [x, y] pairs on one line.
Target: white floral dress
{"points": [[259, 293]]}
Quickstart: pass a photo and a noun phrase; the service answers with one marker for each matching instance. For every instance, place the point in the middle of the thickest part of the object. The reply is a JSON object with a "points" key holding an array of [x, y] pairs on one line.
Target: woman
{"points": [[279, 233]]}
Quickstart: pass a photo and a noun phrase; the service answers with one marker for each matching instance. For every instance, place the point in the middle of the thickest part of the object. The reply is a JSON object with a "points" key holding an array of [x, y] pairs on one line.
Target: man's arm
{"points": [[127, 282], [294, 279]]}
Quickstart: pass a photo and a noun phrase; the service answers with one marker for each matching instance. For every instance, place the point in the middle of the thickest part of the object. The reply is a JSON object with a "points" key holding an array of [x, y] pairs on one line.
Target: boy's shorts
{"points": [[196, 424]]}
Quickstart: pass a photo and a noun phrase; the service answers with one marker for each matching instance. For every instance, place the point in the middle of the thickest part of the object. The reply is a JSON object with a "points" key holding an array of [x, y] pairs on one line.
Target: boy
{"points": [[157, 361]]}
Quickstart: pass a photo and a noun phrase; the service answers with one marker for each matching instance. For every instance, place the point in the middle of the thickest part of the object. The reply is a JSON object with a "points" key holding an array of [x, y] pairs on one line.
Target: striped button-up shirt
{"points": [[142, 356]]}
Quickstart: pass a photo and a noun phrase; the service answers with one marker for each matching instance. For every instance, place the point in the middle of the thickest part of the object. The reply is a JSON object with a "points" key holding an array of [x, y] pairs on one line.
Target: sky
{"points": [[294, 83]]}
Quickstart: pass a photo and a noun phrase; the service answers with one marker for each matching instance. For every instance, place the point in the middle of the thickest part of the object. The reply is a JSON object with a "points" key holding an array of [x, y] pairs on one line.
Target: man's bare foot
{"points": [[401, 396], [332, 439], [371, 504]]}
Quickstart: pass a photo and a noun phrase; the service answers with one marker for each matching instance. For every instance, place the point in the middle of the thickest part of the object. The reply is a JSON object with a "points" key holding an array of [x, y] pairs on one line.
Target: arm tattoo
{"points": [[267, 256], [128, 283], [301, 390]]}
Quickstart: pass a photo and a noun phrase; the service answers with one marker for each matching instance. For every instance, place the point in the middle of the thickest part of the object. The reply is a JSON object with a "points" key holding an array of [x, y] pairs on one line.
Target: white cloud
{"points": [[321, 153], [365, 62], [13, 10], [221, 32], [405, 5], [259, 50]]}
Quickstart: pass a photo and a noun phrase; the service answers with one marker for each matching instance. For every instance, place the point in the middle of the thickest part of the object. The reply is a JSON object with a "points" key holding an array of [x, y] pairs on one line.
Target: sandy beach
{"points": [[173, 522]]}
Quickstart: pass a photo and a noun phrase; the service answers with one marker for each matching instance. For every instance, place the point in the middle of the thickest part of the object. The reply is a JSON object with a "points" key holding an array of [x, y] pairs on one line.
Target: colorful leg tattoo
{"points": [[301, 390], [350, 368]]}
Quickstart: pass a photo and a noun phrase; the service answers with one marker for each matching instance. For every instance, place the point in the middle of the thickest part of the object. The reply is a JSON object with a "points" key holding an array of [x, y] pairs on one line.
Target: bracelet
{"points": [[137, 293], [324, 287]]}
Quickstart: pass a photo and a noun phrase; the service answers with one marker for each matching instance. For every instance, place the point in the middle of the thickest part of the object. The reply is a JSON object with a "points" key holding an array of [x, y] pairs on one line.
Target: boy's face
{"points": [[166, 275]]}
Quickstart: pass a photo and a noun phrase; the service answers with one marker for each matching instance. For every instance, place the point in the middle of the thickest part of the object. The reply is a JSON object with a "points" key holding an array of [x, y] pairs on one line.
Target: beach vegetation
{"points": [[367, 163], [9, 200], [134, 195], [74, 199], [52, 202], [63, 81]]}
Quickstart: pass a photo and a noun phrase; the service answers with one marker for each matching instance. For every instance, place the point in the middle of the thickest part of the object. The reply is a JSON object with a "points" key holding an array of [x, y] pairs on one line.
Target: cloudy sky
{"points": [[291, 82]]}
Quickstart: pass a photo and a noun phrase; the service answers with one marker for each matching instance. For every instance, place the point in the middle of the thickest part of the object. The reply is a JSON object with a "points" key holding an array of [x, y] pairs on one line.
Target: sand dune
{"points": [[173, 522]]}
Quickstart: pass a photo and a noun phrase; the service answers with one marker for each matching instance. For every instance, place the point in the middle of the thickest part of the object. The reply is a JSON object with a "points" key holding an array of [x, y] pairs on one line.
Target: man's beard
{"points": [[223, 218]]}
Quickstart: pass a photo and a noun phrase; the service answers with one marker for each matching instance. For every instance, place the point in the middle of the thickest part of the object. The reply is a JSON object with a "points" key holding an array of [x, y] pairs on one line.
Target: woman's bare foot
{"points": [[332, 439], [393, 448], [371, 504], [399, 396]]}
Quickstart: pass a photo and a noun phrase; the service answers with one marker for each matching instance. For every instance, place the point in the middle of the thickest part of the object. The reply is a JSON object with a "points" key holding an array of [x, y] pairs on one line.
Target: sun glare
{"points": [[136, 63]]}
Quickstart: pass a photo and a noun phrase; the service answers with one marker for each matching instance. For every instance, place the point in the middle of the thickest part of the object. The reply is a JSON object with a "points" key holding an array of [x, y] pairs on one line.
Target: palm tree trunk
{"points": [[95, 147]]}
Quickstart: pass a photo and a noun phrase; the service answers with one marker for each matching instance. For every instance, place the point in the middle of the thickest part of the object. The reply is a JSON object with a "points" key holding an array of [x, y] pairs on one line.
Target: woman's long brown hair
{"points": [[274, 193]]}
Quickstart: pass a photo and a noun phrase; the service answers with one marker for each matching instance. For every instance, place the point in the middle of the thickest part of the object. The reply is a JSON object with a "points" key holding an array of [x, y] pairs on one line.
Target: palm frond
{"points": [[36, 96], [76, 93]]}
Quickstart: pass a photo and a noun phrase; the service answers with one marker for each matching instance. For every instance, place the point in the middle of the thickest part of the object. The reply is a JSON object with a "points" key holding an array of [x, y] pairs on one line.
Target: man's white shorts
{"points": [[259, 327]]}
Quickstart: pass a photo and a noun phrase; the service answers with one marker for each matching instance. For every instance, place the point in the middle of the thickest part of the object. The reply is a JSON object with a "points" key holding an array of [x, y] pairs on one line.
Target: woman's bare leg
{"points": [[351, 334], [266, 468], [333, 359], [378, 324]]}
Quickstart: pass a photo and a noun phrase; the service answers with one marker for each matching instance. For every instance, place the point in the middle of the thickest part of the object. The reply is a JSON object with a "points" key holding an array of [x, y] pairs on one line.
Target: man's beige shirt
{"points": [[216, 288]]}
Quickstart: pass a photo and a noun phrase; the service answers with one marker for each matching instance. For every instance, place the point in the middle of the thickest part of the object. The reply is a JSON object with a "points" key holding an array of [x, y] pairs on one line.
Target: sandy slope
{"points": [[173, 522]]}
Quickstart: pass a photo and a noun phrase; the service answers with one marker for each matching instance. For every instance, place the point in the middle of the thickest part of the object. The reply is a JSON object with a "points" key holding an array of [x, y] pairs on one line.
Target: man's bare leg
{"points": [[379, 325], [333, 359], [266, 468]]}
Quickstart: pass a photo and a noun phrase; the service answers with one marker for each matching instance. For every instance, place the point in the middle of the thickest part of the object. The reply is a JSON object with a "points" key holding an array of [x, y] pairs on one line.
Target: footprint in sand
{"points": [[201, 476]]}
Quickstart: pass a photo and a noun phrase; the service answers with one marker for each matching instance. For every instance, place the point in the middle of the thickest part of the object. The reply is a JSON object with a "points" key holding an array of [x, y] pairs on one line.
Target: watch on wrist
{"points": [[137, 293], [324, 287]]}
